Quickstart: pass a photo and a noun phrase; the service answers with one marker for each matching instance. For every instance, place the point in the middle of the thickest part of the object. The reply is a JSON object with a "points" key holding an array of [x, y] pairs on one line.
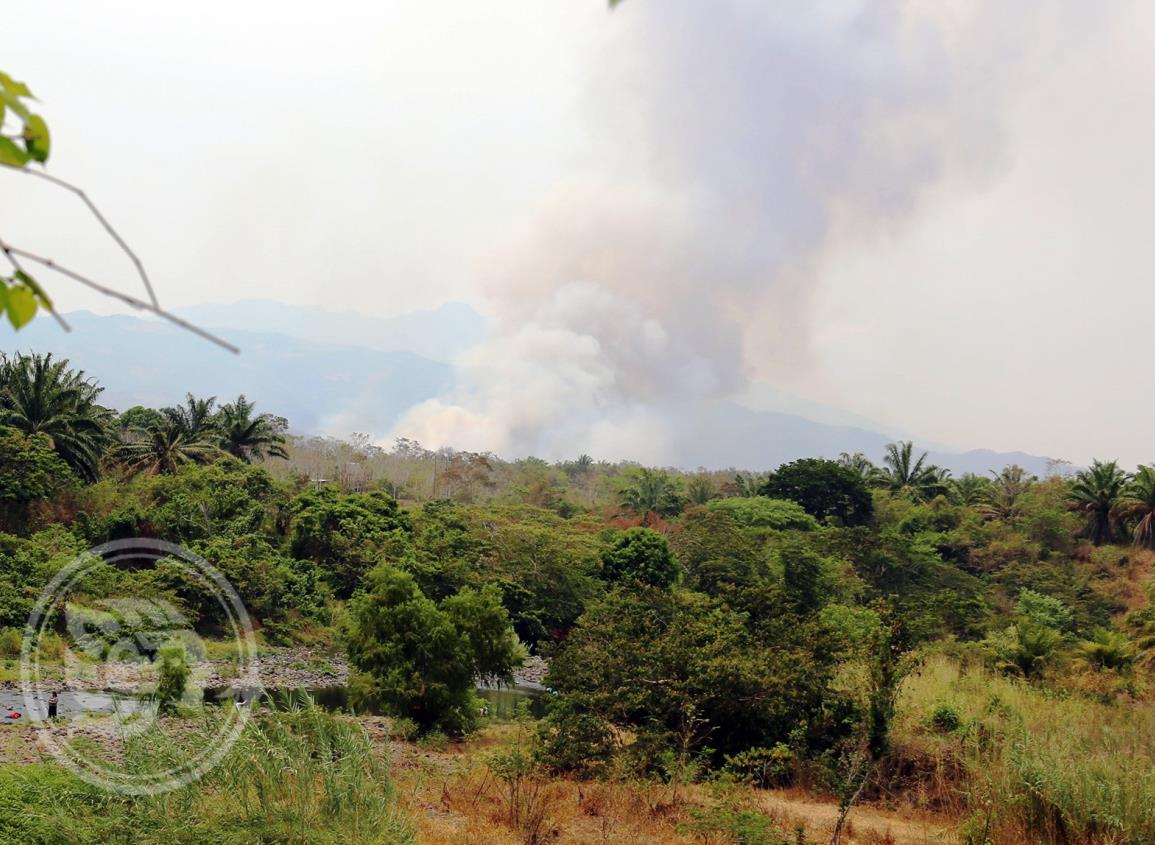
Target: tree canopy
{"points": [[826, 489]]}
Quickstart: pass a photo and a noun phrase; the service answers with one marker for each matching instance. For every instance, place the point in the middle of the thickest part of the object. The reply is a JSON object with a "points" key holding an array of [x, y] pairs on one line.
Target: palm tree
{"points": [[1096, 492], [652, 491], [251, 437], [745, 484], [1107, 650], [916, 478], [580, 467], [971, 490], [196, 417], [1139, 501], [42, 396], [165, 448], [700, 489], [1008, 486], [860, 464], [1025, 648]]}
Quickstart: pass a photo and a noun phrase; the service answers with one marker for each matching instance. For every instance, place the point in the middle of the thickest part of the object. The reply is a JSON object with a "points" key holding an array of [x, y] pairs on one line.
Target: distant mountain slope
{"points": [[439, 334], [318, 387], [763, 440], [341, 388]]}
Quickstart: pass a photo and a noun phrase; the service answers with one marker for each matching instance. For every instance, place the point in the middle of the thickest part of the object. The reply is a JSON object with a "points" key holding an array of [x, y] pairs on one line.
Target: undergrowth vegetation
{"points": [[300, 776], [1023, 763]]}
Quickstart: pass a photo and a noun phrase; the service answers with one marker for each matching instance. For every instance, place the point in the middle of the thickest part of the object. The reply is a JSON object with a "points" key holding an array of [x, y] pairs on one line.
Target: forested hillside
{"points": [[870, 629]]}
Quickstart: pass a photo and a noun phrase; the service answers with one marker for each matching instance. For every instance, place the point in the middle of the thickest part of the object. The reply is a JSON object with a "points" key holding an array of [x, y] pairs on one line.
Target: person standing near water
{"points": [[53, 702]]}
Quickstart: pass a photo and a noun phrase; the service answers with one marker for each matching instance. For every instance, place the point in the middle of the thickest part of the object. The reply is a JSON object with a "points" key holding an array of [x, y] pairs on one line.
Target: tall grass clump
{"points": [[174, 671], [296, 777], [1026, 764]]}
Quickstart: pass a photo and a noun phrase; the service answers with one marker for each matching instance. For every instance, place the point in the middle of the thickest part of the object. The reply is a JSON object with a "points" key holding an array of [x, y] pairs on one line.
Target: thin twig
{"points": [[16, 264], [40, 174], [123, 297]]}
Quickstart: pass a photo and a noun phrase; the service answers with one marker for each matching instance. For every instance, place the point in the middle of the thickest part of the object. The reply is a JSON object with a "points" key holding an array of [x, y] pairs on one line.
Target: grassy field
{"points": [[294, 777], [977, 758], [1020, 764]]}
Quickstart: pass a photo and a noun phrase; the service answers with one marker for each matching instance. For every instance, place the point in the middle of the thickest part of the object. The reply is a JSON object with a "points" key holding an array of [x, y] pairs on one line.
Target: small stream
{"points": [[72, 704]]}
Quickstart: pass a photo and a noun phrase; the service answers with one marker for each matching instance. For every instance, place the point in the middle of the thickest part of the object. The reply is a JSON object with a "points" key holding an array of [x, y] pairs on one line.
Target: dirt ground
{"points": [[456, 800]]}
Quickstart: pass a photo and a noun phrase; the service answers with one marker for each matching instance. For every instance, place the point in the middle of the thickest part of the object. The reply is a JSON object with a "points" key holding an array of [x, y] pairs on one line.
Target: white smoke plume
{"points": [[735, 143]]}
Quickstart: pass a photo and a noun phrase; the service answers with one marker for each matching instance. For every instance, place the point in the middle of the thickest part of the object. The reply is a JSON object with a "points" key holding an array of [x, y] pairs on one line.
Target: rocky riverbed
{"points": [[289, 668]]}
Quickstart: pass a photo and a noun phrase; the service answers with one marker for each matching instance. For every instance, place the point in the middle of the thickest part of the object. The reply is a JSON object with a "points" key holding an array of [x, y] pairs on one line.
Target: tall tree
{"points": [[1006, 490], [1096, 493], [860, 464], [745, 485], [249, 436], [1138, 502], [165, 448], [640, 555], [970, 489], [421, 660], [41, 396], [902, 473], [652, 491], [196, 418], [826, 489], [701, 489]]}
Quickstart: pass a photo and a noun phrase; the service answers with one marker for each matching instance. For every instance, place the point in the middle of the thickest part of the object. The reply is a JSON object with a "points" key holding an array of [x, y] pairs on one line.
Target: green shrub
{"points": [[435, 740], [945, 719], [403, 728], [764, 767], [730, 819], [1044, 610], [10, 641]]}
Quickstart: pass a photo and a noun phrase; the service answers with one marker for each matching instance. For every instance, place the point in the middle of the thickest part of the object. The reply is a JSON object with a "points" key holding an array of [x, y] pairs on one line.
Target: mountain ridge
{"points": [[336, 389]]}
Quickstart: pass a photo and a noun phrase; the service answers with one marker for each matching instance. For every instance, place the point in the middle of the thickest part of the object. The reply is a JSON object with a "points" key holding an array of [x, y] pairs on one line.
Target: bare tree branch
{"points": [[40, 174], [16, 265], [123, 297]]}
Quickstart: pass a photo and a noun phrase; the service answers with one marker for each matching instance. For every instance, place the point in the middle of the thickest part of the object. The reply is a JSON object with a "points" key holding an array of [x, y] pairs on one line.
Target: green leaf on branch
{"points": [[11, 154], [36, 138], [21, 305], [33, 286], [13, 102], [10, 85]]}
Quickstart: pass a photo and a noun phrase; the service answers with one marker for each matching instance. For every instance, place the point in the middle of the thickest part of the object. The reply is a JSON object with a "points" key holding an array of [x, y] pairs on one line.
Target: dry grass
{"points": [[1121, 574], [455, 799]]}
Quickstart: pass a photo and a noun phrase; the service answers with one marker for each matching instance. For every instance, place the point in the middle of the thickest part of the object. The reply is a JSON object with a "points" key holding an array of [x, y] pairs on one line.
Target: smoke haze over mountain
{"points": [[735, 142], [926, 213]]}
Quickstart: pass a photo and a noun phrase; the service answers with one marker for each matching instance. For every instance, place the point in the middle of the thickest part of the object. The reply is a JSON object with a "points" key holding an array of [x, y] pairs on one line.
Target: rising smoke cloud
{"points": [[734, 144]]}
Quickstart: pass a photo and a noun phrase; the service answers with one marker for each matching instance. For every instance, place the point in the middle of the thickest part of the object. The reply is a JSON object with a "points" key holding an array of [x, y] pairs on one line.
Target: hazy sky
{"points": [[934, 214]]}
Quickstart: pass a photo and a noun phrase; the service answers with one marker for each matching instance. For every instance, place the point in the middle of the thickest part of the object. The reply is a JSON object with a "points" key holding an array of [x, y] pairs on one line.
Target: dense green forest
{"points": [[852, 628]]}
